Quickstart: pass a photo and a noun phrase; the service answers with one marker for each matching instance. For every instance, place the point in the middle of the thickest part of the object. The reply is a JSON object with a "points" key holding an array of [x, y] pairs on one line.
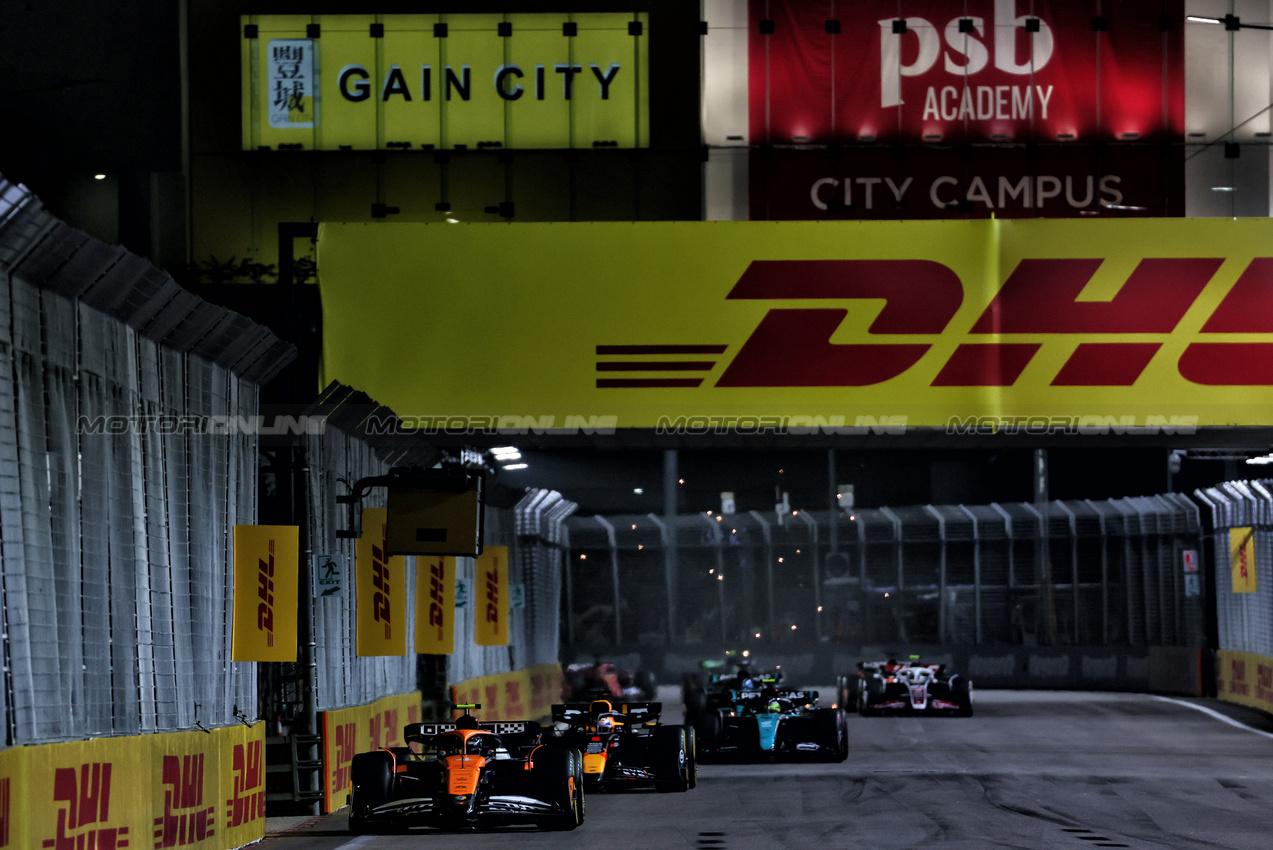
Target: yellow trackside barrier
{"points": [[359, 729]]}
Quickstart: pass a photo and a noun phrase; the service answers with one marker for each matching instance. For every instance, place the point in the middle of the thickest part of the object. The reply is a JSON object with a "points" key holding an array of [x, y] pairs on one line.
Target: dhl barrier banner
{"points": [[361, 729], [381, 590], [420, 82], [1242, 559], [990, 326], [186, 789], [1245, 678], [490, 606], [435, 605], [266, 576], [526, 694]]}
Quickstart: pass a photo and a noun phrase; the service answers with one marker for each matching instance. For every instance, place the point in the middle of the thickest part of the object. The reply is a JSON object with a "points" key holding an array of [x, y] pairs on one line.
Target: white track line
{"points": [[360, 841], [1217, 715]]}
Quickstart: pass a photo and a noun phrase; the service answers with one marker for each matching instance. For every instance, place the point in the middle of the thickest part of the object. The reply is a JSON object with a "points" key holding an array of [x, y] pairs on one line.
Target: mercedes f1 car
{"points": [[624, 745], [773, 723], [888, 687], [467, 774]]}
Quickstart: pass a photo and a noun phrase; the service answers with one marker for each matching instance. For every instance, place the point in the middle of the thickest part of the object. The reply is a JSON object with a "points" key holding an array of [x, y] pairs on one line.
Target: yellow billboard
{"points": [[435, 605], [266, 570], [445, 81], [1242, 559], [380, 586], [490, 603], [975, 327]]}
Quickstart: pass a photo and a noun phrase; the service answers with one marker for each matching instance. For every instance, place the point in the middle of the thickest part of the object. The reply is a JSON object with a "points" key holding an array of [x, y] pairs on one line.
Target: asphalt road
{"points": [[1031, 770]]}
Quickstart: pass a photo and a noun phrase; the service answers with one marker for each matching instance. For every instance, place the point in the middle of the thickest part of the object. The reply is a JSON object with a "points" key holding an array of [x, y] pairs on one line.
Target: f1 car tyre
{"points": [[695, 704], [961, 695], [372, 780], [846, 691], [872, 691], [691, 747], [558, 772], [708, 728], [832, 732], [671, 759]]}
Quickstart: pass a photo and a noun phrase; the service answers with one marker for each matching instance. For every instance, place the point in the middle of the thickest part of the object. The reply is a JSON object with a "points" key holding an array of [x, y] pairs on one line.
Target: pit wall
{"points": [[201, 789], [1173, 670]]}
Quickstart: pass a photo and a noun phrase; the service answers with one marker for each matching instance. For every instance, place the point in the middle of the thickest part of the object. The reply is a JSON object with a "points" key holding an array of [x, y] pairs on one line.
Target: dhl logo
{"points": [[265, 592], [185, 820], [83, 799], [248, 802], [437, 596], [791, 346], [381, 601], [492, 593]]}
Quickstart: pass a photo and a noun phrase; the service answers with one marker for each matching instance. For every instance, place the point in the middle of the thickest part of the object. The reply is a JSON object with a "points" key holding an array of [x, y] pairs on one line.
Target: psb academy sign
{"points": [[1102, 325], [331, 82]]}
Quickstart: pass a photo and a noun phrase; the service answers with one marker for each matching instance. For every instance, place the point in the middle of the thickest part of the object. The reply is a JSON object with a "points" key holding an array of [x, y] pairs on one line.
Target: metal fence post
{"points": [[1074, 566], [1100, 516], [941, 579], [614, 574], [976, 574], [767, 534], [817, 574], [720, 572]]}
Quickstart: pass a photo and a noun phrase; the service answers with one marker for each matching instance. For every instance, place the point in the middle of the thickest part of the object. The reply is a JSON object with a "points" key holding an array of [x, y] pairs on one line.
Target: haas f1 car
{"points": [[625, 746], [773, 723], [890, 687], [467, 774]]}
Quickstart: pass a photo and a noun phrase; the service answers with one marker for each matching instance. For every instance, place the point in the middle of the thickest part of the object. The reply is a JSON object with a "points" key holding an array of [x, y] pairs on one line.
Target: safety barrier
{"points": [[204, 788], [1077, 573], [1242, 515], [359, 729]]}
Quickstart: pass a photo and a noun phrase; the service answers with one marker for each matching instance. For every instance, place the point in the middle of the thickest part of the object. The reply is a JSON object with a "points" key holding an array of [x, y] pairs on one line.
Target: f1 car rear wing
{"points": [[512, 731], [635, 712]]}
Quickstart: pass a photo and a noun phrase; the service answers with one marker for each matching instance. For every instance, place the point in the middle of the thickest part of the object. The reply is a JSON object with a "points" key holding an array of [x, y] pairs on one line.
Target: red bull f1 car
{"points": [[773, 723], [465, 775], [892, 687], [625, 746]]}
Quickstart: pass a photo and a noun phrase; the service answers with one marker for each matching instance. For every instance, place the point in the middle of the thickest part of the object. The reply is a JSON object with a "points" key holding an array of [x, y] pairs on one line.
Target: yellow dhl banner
{"points": [[361, 729], [435, 605], [1246, 678], [187, 789], [1242, 559], [490, 603], [381, 586], [1029, 326], [526, 694], [266, 573], [420, 82]]}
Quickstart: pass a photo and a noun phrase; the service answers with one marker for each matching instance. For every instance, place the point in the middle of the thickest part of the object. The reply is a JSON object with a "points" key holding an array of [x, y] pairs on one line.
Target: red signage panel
{"points": [[827, 72]]}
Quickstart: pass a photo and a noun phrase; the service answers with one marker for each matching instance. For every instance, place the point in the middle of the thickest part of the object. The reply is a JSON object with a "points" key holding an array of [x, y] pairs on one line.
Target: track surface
{"points": [[1030, 770]]}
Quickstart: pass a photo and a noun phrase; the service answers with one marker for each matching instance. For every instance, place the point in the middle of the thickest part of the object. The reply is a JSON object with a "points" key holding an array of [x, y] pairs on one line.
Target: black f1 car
{"points": [[467, 774], [625, 746], [773, 722], [887, 687]]}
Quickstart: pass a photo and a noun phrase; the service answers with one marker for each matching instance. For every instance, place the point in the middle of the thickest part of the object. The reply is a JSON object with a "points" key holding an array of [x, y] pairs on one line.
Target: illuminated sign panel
{"points": [[412, 82], [1114, 326]]}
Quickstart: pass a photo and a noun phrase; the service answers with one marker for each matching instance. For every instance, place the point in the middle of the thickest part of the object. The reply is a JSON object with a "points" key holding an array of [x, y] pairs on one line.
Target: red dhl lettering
{"points": [[248, 802], [513, 700], [265, 591], [1237, 678], [381, 607], [83, 800], [791, 346], [492, 596], [437, 614], [185, 819], [4, 812], [346, 748]]}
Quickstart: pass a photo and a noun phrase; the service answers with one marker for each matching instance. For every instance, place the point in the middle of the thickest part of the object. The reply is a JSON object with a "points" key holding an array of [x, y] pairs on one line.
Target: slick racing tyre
{"points": [[671, 759], [708, 730], [372, 780], [557, 777], [832, 733], [872, 692], [691, 747], [961, 695]]}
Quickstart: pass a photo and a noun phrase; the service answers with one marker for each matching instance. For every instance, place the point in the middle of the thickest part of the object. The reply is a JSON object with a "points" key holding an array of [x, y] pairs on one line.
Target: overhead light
{"points": [[514, 466], [638, 491], [506, 453], [1223, 189], [1260, 461], [1200, 20], [450, 220], [1122, 207], [99, 176]]}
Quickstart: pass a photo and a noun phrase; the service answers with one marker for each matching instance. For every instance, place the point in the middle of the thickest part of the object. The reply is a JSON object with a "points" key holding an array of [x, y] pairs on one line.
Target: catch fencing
{"points": [[1244, 613], [115, 494], [1063, 572]]}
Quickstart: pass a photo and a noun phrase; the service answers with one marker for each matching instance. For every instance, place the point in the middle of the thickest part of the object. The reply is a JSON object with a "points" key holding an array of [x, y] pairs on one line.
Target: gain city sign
{"points": [[412, 82], [1076, 326]]}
